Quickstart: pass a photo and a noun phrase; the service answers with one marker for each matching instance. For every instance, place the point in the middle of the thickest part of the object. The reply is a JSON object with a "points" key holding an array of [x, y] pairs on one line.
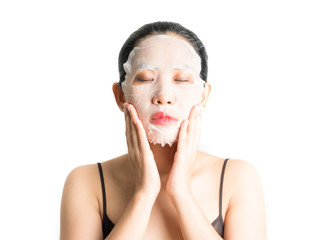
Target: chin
{"points": [[162, 134]]}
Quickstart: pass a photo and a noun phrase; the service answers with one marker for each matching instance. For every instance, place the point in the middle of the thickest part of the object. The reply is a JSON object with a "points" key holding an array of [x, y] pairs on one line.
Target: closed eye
{"points": [[145, 80], [182, 80]]}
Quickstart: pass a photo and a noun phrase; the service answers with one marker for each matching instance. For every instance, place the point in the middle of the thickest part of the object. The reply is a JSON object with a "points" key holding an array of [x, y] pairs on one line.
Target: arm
{"points": [[134, 221], [245, 217], [193, 223], [80, 218]]}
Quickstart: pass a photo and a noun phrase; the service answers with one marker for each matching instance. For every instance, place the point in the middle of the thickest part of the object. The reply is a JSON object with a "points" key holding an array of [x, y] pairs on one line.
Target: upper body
{"points": [[242, 208], [163, 188]]}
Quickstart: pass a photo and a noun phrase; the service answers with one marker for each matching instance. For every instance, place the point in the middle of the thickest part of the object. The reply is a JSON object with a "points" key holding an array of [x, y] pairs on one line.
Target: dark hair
{"points": [[157, 28]]}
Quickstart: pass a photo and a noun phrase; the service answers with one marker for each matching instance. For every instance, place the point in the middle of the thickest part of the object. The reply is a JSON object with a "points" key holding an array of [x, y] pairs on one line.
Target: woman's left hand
{"points": [[178, 182]]}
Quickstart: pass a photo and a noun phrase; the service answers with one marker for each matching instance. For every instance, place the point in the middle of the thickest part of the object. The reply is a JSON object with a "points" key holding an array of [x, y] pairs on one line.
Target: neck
{"points": [[164, 157]]}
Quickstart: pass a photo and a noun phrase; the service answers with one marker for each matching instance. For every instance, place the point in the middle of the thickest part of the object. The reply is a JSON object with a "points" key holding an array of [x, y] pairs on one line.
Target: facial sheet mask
{"points": [[162, 79]]}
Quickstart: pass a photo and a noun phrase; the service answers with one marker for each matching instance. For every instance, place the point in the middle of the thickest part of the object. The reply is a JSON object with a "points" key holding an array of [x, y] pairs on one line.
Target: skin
{"points": [[156, 192]]}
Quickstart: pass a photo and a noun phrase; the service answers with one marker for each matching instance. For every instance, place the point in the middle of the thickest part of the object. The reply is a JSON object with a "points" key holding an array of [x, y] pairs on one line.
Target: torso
{"points": [[163, 223]]}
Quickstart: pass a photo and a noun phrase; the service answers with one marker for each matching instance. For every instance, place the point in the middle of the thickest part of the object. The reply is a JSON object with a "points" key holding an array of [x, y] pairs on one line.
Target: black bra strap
{"points": [[221, 187], [103, 188]]}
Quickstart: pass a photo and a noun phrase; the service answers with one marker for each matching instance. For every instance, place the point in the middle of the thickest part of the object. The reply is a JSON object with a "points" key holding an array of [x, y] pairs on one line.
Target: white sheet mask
{"points": [[162, 76]]}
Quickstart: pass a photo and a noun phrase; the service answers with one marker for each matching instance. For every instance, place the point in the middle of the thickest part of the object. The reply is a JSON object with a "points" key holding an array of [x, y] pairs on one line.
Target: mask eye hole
{"points": [[144, 77], [183, 78]]}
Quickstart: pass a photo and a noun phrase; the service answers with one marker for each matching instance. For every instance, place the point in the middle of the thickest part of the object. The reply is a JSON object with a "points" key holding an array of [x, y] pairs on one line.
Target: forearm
{"points": [[134, 221], [193, 223]]}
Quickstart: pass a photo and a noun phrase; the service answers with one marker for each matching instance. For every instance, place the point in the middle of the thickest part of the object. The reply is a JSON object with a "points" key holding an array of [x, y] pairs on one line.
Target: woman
{"points": [[163, 188]]}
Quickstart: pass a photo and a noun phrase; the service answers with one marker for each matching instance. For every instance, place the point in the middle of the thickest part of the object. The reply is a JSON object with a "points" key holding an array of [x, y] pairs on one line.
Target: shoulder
{"points": [[86, 178], [241, 178], [243, 201], [241, 169], [82, 178], [242, 175], [81, 211], [89, 175], [81, 186], [82, 172], [80, 217], [246, 210], [235, 167]]}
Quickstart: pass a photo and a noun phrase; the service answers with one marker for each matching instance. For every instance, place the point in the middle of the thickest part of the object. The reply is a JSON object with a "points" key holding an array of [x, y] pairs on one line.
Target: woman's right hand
{"points": [[140, 155]]}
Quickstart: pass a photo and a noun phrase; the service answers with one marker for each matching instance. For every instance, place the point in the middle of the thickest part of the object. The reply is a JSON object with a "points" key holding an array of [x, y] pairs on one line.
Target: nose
{"points": [[163, 99]]}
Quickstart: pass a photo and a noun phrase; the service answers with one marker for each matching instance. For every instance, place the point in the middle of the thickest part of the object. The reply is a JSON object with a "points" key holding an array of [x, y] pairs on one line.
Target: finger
{"points": [[194, 114], [197, 123], [141, 138], [133, 112], [127, 126], [182, 134], [192, 123], [134, 132]]}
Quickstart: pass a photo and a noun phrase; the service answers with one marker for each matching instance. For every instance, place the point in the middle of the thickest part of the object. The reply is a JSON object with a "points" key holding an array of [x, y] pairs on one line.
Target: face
{"points": [[162, 81]]}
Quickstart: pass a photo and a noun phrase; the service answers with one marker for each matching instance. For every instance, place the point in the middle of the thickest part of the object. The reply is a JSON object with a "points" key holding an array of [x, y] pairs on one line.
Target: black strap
{"points": [[221, 187], [103, 188]]}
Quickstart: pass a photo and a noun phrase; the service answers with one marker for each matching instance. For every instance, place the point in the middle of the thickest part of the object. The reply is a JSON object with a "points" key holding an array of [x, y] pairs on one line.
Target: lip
{"points": [[162, 118]]}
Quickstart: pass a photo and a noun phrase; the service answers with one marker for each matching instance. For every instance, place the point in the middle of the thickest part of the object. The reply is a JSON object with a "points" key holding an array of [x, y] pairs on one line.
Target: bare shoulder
{"points": [[240, 178], [209, 161], [84, 174], [79, 217], [240, 169], [242, 175], [86, 178], [81, 205], [245, 216], [243, 202], [237, 170], [81, 187]]}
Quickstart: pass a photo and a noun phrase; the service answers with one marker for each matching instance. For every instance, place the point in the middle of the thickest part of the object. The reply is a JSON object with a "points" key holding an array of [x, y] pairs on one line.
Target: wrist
{"points": [[145, 197], [179, 193], [181, 198], [176, 189]]}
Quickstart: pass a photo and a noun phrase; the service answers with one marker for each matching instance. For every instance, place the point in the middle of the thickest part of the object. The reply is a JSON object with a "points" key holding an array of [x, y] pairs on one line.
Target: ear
{"points": [[205, 94], [119, 95]]}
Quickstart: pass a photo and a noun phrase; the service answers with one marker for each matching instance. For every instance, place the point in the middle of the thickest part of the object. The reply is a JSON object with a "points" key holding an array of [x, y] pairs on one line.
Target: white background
{"points": [[268, 67]]}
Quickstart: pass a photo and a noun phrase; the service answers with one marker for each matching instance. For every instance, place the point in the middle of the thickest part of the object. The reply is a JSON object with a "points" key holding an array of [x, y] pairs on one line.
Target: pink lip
{"points": [[162, 118]]}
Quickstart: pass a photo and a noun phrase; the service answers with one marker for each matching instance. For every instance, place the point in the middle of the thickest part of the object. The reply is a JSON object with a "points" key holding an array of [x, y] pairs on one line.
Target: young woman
{"points": [[163, 188]]}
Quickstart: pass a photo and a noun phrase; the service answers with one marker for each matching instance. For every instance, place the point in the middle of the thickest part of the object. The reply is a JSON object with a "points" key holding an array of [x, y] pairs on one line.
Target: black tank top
{"points": [[108, 225]]}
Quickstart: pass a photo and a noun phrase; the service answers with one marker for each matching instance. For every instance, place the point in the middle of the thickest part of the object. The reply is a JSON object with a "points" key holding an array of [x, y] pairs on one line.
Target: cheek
{"points": [[139, 98], [188, 100], [134, 95]]}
